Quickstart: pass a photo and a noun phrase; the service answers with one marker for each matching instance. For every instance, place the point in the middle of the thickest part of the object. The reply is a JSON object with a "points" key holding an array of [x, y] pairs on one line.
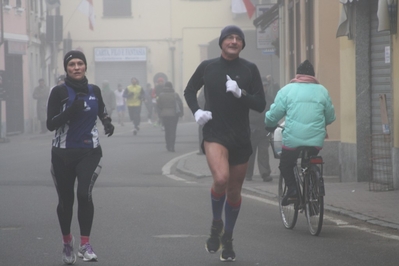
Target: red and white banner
{"points": [[242, 6], [87, 8]]}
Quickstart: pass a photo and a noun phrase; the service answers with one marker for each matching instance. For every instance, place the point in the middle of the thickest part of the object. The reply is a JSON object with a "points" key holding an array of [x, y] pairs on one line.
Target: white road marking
{"points": [[166, 169], [178, 236], [338, 222], [271, 202]]}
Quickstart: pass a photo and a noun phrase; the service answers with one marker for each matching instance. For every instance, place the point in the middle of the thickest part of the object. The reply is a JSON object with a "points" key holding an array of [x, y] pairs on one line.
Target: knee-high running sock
{"points": [[231, 211], [67, 238], [217, 204], [84, 240]]}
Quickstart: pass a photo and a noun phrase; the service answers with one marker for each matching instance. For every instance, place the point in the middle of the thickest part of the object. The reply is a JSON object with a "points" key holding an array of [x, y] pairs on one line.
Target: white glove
{"points": [[232, 86], [202, 117]]}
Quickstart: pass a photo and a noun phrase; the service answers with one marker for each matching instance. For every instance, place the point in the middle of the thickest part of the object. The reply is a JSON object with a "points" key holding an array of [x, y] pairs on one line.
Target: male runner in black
{"points": [[232, 86]]}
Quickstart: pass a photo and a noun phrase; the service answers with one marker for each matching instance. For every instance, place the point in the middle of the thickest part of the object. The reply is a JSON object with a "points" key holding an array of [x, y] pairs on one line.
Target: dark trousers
{"points": [[287, 162], [134, 115], [149, 106], [260, 149], [65, 170], [200, 138], [170, 124]]}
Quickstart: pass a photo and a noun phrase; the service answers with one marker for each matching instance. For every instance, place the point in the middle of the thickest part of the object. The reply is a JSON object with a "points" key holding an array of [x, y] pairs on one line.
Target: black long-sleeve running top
{"points": [[229, 114]]}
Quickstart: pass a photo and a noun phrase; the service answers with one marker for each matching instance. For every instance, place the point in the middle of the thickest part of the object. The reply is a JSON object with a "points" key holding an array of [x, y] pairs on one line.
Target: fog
{"points": [[121, 40]]}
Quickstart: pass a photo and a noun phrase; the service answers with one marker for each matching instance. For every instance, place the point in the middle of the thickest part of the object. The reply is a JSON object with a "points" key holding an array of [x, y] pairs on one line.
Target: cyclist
{"points": [[308, 109]]}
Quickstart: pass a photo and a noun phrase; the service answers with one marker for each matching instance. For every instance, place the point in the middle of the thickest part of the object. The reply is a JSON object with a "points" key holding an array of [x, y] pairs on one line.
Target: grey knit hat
{"points": [[231, 29]]}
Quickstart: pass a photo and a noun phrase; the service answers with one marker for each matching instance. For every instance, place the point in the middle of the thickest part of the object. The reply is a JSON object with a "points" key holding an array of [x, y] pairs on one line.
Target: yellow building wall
{"points": [[326, 52], [348, 90], [148, 26], [327, 64], [157, 25]]}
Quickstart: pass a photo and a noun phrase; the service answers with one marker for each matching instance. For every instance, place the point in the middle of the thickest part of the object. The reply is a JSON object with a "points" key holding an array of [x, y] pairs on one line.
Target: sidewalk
{"points": [[350, 199]]}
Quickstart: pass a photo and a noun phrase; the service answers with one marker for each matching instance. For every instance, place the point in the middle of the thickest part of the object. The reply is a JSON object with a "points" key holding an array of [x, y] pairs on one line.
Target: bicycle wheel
{"points": [[289, 214], [314, 202]]}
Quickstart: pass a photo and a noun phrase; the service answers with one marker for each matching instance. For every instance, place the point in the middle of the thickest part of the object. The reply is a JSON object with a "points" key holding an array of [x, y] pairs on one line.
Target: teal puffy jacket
{"points": [[307, 108]]}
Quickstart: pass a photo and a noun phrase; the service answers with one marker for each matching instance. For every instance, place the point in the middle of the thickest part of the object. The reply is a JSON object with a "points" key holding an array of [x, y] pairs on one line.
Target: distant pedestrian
{"points": [[273, 86], [72, 112], [134, 95], [40, 94], [201, 104], [259, 139], [170, 109], [149, 94], [158, 89], [109, 97], [120, 104], [60, 80]]}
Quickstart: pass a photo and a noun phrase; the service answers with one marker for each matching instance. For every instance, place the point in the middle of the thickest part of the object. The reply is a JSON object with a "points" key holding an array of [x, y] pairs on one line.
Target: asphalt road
{"points": [[147, 214]]}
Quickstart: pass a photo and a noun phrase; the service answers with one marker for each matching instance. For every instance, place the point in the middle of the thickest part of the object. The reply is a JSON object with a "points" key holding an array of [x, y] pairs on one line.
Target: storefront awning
{"points": [[345, 24], [387, 16], [267, 18]]}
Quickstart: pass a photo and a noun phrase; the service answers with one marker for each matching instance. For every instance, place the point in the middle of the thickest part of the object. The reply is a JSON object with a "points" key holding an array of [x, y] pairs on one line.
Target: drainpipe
{"points": [[172, 53], [2, 25]]}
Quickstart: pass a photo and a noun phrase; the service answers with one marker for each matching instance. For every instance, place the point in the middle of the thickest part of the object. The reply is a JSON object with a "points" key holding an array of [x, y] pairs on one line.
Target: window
{"points": [[6, 2], [33, 5], [117, 8], [18, 3]]}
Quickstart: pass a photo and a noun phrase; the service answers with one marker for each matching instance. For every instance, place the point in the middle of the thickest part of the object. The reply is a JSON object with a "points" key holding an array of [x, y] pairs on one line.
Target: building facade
{"points": [[148, 38], [121, 39], [368, 58], [22, 62]]}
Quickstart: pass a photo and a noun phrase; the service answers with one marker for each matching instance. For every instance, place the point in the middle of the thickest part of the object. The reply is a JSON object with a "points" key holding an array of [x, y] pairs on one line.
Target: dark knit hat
{"points": [[74, 54], [305, 68], [168, 85], [231, 29]]}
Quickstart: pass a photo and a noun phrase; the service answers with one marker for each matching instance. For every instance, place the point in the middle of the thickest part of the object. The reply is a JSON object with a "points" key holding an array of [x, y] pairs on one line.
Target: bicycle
{"points": [[310, 187]]}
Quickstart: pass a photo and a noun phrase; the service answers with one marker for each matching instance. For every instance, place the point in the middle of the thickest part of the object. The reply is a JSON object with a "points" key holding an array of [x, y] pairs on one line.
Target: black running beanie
{"points": [[305, 68], [231, 29], [74, 54]]}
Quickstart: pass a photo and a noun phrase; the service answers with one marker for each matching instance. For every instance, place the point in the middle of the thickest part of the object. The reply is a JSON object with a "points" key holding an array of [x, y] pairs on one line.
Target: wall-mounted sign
{"points": [[120, 54], [264, 38], [387, 54], [16, 47]]}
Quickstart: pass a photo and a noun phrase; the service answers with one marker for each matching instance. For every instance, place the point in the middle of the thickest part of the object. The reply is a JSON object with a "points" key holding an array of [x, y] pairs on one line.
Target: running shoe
{"points": [[68, 256], [228, 253], [213, 243], [86, 253]]}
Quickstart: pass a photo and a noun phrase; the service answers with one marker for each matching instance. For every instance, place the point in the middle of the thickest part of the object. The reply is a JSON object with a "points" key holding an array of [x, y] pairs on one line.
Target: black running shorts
{"points": [[237, 154]]}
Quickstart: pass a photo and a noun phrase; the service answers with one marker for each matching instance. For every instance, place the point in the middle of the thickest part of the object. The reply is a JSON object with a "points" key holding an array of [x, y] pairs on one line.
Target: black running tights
{"points": [[85, 169]]}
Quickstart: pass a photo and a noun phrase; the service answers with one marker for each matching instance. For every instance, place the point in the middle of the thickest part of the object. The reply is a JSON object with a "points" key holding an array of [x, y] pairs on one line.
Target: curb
{"points": [[339, 211], [181, 169]]}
